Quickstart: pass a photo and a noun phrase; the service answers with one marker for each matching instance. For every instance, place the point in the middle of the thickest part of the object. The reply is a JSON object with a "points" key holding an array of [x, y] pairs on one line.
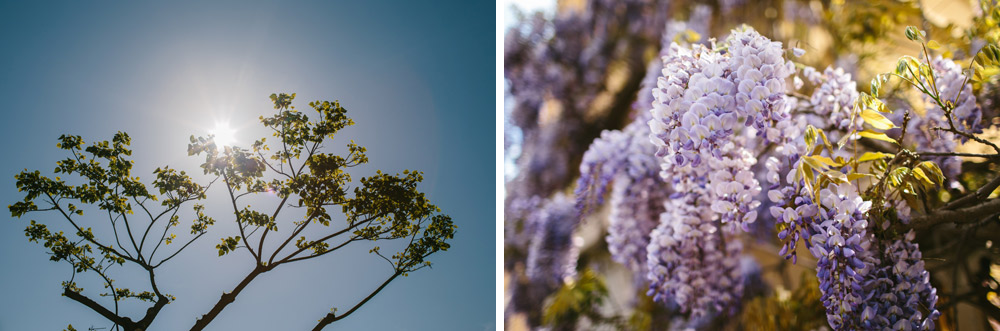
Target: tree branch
{"points": [[239, 224], [227, 298], [980, 195], [328, 237], [91, 240], [260, 244], [125, 321], [332, 317], [961, 216], [291, 258], [992, 157]]}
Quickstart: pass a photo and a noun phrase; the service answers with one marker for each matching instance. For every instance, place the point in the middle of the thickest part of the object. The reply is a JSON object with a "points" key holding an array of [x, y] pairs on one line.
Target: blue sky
{"points": [[415, 76]]}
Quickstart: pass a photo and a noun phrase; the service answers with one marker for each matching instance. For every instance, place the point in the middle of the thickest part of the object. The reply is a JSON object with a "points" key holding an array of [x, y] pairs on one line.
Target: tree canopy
{"points": [[118, 222]]}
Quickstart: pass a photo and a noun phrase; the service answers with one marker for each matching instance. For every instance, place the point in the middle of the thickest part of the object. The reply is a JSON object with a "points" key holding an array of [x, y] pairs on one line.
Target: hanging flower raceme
{"points": [[692, 260], [635, 210], [552, 256], [841, 244], [627, 158], [519, 221], [899, 294], [760, 72], [708, 106], [604, 160]]}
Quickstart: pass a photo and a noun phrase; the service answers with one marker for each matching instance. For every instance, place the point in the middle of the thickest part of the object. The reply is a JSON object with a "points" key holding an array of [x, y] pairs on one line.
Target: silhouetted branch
{"points": [[332, 317]]}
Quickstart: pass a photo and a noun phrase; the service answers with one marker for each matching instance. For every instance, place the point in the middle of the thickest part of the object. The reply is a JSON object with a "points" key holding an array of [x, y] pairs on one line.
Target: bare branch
{"points": [[332, 317], [961, 216], [97, 307], [239, 223], [980, 195]]}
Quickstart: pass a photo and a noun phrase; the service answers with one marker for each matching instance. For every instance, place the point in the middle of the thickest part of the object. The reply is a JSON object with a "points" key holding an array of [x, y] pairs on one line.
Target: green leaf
{"points": [[836, 176], [896, 176], [877, 82], [913, 34], [810, 136], [826, 160]]}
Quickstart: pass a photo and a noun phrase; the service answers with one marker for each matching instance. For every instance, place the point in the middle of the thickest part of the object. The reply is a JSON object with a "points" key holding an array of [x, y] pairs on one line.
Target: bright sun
{"points": [[224, 135]]}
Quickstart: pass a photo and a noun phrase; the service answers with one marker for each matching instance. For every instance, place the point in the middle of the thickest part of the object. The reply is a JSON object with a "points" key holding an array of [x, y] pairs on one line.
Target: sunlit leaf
{"points": [[877, 136], [869, 156], [876, 120]]}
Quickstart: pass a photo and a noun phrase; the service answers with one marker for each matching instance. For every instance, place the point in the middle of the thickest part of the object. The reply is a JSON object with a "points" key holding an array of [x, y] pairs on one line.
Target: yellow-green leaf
{"points": [[877, 136], [856, 176], [869, 156], [812, 162], [826, 160], [919, 174], [932, 170], [835, 176], [876, 120], [826, 142]]}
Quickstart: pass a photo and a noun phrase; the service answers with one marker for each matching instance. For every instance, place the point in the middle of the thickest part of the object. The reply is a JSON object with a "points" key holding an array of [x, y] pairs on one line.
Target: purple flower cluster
{"points": [[708, 105], [695, 119], [627, 158], [693, 260], [841, 244], [760, 71], [734, 188], [899, 293], [793, 209], [833, 100]]}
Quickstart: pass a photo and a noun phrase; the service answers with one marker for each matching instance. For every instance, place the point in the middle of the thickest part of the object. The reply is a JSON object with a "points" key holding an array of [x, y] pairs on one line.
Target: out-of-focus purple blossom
{"points": [[627, 151], [556, 67], [728, 6], [635, 211], [520, 220], [899, 293], [552, 256], [966, 116], [949, 78], [799, 11]]}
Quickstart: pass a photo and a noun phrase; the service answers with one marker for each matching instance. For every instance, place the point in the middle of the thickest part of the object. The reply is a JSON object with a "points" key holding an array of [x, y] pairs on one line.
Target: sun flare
{"points": [[224, 135]]}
